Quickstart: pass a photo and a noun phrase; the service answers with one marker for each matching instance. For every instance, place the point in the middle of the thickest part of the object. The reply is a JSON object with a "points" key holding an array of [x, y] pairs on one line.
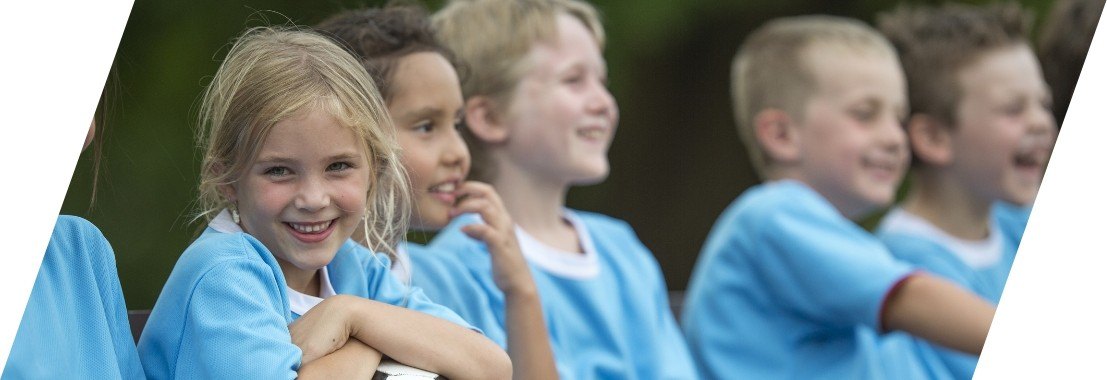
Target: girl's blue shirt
{"points": [[224, 312]]}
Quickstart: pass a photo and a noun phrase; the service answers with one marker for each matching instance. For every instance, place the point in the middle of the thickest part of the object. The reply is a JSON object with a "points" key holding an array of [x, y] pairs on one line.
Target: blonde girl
{"points": [[297, 153]]}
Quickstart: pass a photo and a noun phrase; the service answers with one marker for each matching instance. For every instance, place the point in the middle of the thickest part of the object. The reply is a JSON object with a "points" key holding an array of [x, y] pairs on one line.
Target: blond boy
{"points": [[787, 286], [981, 132], [540, 120]]}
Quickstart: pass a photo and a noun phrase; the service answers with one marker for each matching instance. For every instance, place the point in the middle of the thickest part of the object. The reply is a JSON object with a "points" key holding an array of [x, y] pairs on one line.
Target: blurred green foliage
{"points": [[676, 160]]}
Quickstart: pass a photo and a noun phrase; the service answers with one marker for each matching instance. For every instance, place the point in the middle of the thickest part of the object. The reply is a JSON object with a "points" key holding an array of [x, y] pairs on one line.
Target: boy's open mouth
{"points": [[1030, 159]]}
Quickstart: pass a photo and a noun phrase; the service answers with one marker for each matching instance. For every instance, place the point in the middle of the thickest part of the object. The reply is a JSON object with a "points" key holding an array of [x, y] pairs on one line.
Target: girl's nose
{"points": [[312, 196]]}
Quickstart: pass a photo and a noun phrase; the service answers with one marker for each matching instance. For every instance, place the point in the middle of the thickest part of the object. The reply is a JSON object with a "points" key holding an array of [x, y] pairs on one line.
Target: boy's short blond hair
{"points": [[491, 39], [771, 69], [936, 43]]}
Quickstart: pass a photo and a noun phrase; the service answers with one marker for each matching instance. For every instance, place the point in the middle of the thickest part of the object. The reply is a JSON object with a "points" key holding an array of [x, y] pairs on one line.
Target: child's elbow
{"points": [[497, 365]]}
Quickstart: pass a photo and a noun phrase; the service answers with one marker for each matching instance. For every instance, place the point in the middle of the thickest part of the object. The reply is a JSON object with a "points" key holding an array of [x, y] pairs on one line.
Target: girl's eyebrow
{"points": [[275, 159], [345, 156], [272, 159], [424, 112]]}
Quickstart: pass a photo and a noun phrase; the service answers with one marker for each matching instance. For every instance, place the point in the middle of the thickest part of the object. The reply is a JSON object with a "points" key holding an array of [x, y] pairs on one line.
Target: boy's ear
{"points": [[776, 133], [482, 120], [930, 140]]}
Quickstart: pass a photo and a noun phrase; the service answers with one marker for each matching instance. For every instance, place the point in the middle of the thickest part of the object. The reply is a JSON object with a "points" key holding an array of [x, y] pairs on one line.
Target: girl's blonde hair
{"points": [[271, 74]]}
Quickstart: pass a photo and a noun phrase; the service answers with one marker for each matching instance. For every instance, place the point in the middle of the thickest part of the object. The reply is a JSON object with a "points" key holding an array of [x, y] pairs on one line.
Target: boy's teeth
{"points": [[592, 133], [310, 228]]}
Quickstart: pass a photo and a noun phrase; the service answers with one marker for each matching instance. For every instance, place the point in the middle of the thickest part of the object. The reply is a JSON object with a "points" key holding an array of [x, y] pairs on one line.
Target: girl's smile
{"points": [[305, 193]]}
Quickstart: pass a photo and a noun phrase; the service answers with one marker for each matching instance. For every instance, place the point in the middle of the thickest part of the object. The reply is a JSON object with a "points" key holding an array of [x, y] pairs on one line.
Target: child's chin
{"points": [[591, 176], [1022, 197]]}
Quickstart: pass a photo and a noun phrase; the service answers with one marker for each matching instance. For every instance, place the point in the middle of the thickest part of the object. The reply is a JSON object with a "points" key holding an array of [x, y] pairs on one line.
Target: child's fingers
{"points": [[481, 198], [495, 239], [476, 205], [477, 231], [474, 188]]}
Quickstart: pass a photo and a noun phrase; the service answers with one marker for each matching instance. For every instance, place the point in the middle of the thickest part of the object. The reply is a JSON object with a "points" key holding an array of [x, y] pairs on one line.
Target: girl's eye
{"points": [[277, 171], [338, 166], [459, 124], [425, 127]]}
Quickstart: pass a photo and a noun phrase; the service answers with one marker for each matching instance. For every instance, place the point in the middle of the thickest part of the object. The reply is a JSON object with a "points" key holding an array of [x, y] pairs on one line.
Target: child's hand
{"points": [[509, 268], [323, 330]]}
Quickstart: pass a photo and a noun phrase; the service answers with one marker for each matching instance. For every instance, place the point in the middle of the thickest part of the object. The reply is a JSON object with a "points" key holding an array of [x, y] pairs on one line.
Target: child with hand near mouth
{"points": [[420, 86]]}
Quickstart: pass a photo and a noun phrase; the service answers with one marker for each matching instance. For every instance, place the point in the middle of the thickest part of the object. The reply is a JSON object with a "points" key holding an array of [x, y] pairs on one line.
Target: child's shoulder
{"points": [[781, 204], [224, 251], [1011, 219], [353, 252], [452, 239], [786, 195], [596, 222], [76, 224], [217, 245], [74, 233]]}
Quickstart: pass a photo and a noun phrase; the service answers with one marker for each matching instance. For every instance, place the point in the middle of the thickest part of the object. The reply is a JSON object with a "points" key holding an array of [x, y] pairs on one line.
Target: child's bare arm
{"points": [[939, 311], [355, 360], [410, 337], [528, 341]]}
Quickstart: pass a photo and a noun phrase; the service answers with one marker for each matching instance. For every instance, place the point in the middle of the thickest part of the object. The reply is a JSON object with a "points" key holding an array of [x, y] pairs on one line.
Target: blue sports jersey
{"points": [[224, 311], [1011, 218], [75, 324], [612, 321], [933, 251], [788, 288]]}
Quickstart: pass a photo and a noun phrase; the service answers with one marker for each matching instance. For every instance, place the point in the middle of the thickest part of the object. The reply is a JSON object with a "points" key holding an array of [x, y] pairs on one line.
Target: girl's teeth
{"points": [[444, 188], [310, 228]]}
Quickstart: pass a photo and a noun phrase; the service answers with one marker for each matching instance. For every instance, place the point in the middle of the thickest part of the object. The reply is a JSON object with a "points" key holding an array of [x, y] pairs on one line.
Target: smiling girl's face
{"points": [[426, 110], [305, 192]]}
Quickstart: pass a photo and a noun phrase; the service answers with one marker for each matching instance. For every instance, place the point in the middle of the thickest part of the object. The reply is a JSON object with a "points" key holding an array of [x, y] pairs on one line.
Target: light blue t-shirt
{"points": [[224, 312], [788, 288], [978, 266], [607, 310], [75, 324]]}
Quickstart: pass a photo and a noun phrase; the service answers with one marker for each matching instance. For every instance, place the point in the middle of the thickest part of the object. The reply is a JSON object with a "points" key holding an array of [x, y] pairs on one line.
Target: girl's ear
{"points": [[482, 120], [930, 140], [776, 133], [228, 191]]}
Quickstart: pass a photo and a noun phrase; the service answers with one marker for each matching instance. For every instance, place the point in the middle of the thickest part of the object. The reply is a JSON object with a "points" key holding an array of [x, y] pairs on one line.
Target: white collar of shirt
{"points": [[402, 268], [300, 303], [566, 264], [977, 254]]}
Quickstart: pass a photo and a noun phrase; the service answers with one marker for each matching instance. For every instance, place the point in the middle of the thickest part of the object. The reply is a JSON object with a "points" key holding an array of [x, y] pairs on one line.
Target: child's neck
{"points": [[537, 207], [949, 206], [303, 281]]}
